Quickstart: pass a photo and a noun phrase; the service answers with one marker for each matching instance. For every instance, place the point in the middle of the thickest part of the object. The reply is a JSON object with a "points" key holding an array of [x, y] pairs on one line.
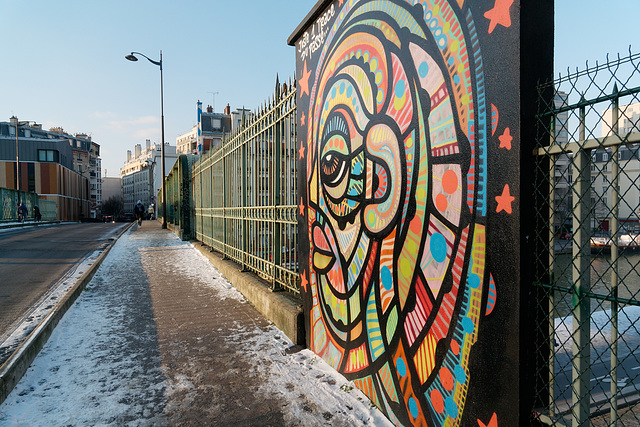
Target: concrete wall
{"points": [[413, 121]]}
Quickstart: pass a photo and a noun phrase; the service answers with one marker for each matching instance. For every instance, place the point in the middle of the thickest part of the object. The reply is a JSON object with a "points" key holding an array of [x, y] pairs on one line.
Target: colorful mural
{"points": [[395, 126]]}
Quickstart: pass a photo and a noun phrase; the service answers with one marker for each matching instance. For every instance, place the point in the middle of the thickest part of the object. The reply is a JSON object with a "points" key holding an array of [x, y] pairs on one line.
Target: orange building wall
{"points": [[53, 182]]}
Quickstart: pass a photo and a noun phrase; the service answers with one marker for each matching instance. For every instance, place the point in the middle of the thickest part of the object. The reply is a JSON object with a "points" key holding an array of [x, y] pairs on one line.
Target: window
{"points": [[48, 156]]}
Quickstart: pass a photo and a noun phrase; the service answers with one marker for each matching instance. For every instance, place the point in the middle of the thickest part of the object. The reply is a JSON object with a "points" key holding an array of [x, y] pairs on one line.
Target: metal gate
{"points": [[588, 174]]}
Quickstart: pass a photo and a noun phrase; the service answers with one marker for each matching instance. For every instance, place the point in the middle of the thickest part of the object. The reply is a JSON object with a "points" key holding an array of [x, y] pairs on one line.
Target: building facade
{"points": [[46, 166], [628, 158], [209, 130], [142, 174], [86, 162]]}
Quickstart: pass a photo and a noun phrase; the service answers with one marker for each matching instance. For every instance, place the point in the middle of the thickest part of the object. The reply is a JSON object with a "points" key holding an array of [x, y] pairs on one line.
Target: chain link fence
{"points": [[244, 193], [588, 262]]}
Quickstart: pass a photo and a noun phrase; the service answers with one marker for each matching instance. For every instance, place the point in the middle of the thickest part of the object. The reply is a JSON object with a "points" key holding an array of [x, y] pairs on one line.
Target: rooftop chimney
{"points": [[227, 110], [14, 121], [209, 109], [128, 156]]}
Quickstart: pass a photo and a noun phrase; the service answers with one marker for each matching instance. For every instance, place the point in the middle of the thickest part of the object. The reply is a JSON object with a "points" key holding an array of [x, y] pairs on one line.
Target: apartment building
{"points": [[142, 174]]}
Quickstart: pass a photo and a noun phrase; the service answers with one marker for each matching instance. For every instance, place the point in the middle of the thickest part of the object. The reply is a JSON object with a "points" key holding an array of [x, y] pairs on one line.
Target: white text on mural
{"points": [[316, 35]]}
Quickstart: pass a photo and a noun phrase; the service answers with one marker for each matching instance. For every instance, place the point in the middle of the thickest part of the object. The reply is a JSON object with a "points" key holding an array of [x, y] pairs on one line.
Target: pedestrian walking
{"points": [[36, 213], [138, 210], [22, 212]]}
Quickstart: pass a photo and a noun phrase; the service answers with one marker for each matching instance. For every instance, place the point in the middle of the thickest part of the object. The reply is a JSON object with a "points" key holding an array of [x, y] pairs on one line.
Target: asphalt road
{"points": [[33, 259]]}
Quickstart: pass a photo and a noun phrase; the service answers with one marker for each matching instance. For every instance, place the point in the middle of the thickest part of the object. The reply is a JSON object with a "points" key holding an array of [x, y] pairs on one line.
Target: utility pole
{"points": [[17, 158]]}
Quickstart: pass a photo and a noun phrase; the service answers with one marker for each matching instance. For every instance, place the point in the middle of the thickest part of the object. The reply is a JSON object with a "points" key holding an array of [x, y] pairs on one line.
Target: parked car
{"points": [[108, 218]]}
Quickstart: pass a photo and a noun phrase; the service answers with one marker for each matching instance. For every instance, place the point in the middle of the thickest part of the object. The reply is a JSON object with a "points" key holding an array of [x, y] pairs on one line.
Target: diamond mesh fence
{"points": [[588, 258]]}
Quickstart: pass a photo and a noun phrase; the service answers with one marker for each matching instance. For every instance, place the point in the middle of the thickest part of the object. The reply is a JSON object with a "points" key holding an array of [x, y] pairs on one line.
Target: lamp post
{"points": [[163, 206], [17, 157]]}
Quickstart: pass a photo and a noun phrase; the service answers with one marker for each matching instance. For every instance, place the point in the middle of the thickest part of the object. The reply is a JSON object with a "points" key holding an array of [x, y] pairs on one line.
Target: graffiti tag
{"points": [[315, 37]]}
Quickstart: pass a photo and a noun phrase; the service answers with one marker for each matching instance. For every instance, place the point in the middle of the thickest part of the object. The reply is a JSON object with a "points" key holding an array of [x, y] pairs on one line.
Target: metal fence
{"points": [[245, 193], [10, 200], [178, 184], [588, 174]]}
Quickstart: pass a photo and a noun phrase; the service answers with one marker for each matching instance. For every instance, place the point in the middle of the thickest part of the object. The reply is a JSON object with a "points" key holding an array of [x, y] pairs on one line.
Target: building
{"points": [[628, 128], [112, 188], [239, 117], [209, 131], [86, 161], [563, 171], [142, 172], [47, 167]]}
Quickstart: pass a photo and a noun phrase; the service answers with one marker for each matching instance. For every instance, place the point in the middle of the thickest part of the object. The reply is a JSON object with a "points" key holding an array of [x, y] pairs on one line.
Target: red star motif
{"points": [[505, 200], [303, 119], [304, 81], [301, 150], [499, 14], [303, 281], [301, 207], [492, 423], [505, 139]]}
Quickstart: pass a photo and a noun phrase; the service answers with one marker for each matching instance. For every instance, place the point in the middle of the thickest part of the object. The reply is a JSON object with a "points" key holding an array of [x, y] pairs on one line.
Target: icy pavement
{"points": [[138, 348]]}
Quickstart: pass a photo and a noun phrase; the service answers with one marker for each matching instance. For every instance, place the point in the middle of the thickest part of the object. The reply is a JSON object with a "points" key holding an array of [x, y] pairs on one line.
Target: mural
{"points": [[395, 127]]}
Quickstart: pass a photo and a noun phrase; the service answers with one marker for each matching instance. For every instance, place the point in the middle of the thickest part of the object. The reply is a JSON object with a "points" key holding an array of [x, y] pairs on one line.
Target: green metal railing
{"points": [[245, 193], [589, 263], [178, 184], [10, 198]]}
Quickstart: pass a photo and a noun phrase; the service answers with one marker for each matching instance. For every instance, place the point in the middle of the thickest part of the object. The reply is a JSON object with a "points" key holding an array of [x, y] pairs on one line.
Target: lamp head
{"points": [[131, 57]]}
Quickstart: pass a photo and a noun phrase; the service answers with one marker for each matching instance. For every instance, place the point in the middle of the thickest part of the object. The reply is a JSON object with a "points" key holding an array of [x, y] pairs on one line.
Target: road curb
{"points": [[15, 367], [27, 224]]}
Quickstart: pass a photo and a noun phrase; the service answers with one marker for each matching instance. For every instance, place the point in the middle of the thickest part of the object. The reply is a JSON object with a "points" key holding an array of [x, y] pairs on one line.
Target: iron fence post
{"points": [[581, 371], [615, 233], [244, 204], [224, 202], [551, 245], [276, 149]]}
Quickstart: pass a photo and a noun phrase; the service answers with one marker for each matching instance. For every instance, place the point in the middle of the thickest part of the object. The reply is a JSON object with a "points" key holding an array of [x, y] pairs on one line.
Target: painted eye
{"points": [[335, 167]]}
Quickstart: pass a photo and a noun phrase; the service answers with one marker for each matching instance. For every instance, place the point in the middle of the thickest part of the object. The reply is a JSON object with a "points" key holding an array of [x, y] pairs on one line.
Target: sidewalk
{"points": [[159, 337]]}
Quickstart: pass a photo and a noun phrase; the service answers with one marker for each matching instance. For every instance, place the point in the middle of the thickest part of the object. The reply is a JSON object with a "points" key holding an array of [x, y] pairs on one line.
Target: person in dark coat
{"points": [[36, 213], [138, 210], [22, 212]]}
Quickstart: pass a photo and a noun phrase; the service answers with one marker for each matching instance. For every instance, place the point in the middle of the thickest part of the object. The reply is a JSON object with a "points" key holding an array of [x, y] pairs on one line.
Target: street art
{"points": [[396, 125]]}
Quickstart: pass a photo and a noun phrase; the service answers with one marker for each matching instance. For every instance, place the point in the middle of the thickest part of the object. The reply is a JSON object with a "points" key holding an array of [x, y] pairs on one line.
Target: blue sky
{"points": [[63, 61]]}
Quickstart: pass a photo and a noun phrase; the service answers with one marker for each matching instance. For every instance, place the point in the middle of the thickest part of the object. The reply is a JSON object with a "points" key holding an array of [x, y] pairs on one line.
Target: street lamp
{"points": [[163, 207], [17, 160]]}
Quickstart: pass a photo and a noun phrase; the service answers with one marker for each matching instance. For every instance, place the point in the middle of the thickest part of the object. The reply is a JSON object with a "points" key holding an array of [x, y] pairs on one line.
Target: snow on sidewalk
{"points": [[102, 365]]}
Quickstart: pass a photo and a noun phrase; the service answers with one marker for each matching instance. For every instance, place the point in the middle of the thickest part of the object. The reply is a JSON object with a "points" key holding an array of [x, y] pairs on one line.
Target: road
{"points": [[33, 259], [628, 371]]}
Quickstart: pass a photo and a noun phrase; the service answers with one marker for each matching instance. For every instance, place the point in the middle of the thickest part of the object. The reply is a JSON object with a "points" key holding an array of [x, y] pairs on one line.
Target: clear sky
{"points": [[63, 61]]}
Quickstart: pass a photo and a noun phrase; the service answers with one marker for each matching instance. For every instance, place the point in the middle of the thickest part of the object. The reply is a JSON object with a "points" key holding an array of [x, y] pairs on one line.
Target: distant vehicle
{"points": [[566, 235], [108, 218], [128, 217]]}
